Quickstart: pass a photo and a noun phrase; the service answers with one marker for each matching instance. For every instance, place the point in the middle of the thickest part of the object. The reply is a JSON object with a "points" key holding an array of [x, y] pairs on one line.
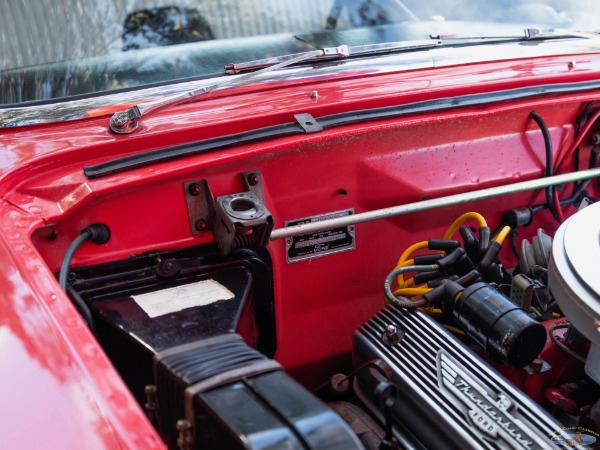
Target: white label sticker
{"points": [[177, 298]]}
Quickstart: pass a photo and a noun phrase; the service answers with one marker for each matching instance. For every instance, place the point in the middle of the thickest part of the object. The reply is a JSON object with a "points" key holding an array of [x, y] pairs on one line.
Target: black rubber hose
{"points": [[576, 193], [579, 190], [538, 208], [579, 187], [85, 235], [83, 309], [549, 152], [98, 233], [583, 117]]}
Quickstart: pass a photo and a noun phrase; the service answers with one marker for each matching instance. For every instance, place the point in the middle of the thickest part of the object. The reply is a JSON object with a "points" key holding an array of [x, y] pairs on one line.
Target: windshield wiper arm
{"points": [[126, 122], [357, 50]]}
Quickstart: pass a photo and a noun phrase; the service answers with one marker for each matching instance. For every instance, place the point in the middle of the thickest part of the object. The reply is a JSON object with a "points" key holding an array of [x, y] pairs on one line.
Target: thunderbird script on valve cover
{"points": [[342, 224]]}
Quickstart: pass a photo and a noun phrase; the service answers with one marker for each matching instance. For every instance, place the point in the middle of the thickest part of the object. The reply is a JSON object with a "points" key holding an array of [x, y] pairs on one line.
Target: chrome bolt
{"points": [[150, 405], [392, 335], [185, 440]]}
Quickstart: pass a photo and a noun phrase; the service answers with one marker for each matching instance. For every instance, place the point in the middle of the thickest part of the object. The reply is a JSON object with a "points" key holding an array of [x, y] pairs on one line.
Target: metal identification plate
{"points": [[321, 243]]}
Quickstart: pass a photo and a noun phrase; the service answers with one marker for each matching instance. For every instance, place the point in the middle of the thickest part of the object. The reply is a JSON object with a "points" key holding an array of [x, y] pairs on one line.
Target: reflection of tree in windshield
{"points": [[368, 13], [79, 50], [168, 25]]}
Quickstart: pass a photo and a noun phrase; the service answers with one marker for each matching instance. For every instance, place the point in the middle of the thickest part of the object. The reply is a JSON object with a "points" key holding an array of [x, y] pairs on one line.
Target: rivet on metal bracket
{"points": [[200, 205], [252, 181]]}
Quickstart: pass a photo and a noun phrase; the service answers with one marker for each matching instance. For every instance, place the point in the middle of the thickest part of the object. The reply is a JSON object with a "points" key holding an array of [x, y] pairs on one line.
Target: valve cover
{"points": [[449, 398]]}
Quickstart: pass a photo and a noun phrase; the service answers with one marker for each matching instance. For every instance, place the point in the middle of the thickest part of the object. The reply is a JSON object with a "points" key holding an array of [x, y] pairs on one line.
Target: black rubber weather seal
{"points": [[179, 151], [293, 128]]}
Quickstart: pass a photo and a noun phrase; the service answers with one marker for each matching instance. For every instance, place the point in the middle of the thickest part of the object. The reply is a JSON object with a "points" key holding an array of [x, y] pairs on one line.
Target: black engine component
{"points": [[233, 397], [448, 397], [131, 337], [201, 383], [492, 320], [177, 368]]}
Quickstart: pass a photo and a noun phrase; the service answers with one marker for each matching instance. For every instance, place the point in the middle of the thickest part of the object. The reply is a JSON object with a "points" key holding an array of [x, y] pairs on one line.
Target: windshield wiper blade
{"points": [[126, 122], [529, 34], [357, 50], [553, 33]]}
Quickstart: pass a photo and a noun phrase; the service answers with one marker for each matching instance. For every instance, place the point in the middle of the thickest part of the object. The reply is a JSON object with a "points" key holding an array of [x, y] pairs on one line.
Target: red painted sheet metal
{"points": [[58, 390], [227, 111], [377, 164]]}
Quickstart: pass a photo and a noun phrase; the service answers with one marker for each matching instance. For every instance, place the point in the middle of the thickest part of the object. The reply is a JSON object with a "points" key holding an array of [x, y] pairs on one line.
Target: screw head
{"points": [[120, 119], [194, 189], [339, 383], [201, 225], [253, 179]]}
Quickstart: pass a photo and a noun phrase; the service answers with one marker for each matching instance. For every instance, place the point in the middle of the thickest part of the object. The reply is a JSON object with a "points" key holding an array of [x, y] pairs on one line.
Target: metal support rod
{"points": [[386, 213]]}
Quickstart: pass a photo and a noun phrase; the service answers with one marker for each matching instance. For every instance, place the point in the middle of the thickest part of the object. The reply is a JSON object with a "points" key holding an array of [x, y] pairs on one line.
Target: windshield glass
{"points": [[71, 48]]}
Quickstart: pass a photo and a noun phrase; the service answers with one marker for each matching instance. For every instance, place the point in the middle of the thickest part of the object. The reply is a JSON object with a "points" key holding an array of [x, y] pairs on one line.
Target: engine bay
{"points": [[357, 289]]}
